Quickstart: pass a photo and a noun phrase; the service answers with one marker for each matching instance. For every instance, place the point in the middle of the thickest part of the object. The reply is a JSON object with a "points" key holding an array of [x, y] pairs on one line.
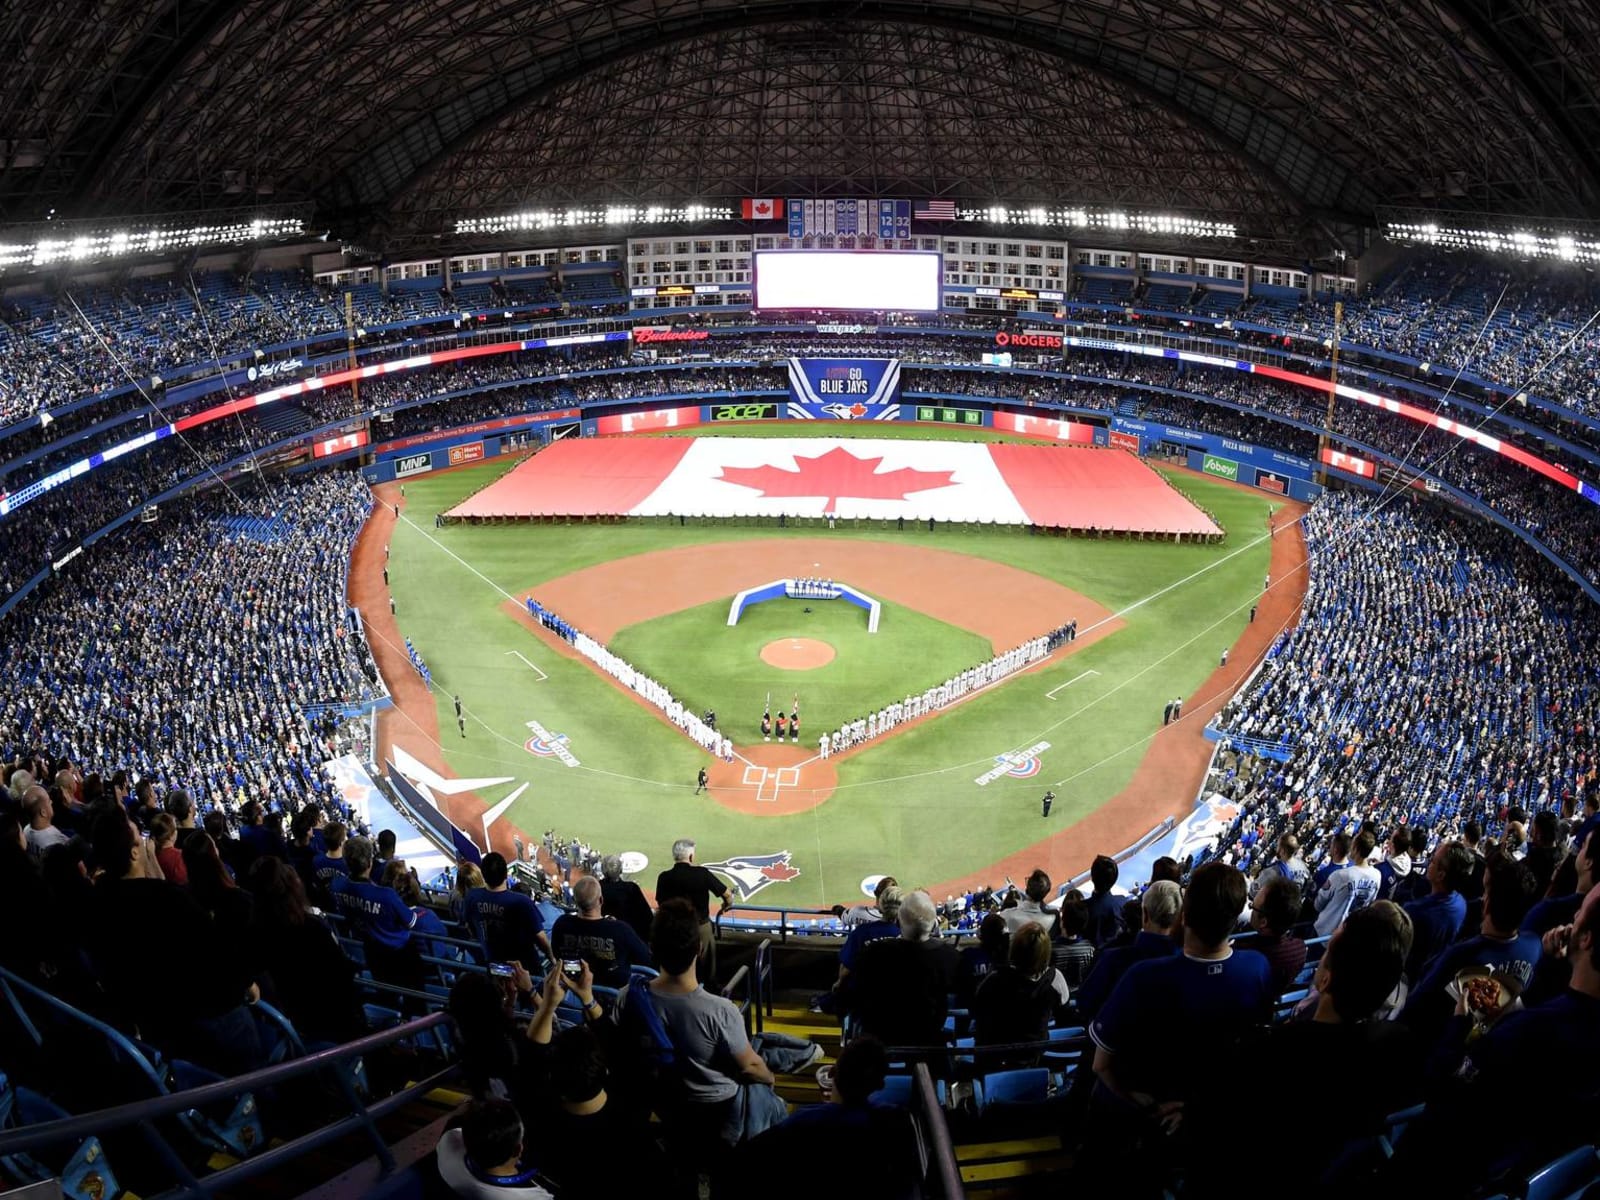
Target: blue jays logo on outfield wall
{"points": [[844, 389]]}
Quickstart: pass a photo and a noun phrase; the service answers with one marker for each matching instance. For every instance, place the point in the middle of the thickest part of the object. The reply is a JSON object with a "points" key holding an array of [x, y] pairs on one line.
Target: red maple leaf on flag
{"points": [[837, 475], [762, 208], [779, 872]]}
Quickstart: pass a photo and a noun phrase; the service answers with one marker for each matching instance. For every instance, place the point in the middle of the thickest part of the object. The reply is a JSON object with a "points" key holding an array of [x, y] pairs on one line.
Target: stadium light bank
{"points": [[82, 242]]}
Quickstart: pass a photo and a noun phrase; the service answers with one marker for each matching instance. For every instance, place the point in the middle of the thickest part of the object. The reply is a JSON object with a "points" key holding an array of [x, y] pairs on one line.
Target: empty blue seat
{"points": [[1025, 1086], [1565, 1178]]}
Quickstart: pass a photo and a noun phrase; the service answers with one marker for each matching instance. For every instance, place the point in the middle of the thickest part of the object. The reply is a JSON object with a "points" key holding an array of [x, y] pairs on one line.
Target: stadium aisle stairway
{"points": [[996, 1167]]}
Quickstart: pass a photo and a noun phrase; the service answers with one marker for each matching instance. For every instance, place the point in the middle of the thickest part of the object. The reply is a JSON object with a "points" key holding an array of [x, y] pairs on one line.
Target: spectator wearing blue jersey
{"points": [[1415, 885], [330, 862], [1437, 917], [1171, 1019], [1538, 1065], [1396, 864], [1350, 889], [1158, 916], [1509, 892], [1354, 978], [608, 945], [378, 917], [403, 880], [1286, 865], [1563, 909], [508, 923], [1105, 908], [1338, 859]]}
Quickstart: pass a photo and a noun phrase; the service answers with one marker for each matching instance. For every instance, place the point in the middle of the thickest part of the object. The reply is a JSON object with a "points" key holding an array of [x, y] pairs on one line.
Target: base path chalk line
{"points": [[1051, 694], [528, 664]]}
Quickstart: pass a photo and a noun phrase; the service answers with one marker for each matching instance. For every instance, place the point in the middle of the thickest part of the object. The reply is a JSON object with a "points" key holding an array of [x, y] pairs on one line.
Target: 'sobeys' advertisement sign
{"points": [[743, 412], [412, 464], [1224, 468]]}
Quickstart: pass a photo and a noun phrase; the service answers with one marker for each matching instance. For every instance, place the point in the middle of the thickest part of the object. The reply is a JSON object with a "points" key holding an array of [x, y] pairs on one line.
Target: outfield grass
{"points": [[709, 664], [908, 805]]}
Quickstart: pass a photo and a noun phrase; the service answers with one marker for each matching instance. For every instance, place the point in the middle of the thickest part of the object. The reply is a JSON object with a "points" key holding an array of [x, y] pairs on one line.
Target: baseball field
{"points": [[1153, 617]]}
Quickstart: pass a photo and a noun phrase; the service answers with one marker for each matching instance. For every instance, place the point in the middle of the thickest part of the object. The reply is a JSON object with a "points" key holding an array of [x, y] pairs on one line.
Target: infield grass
{"points": [[908, 805], [718, 666]]}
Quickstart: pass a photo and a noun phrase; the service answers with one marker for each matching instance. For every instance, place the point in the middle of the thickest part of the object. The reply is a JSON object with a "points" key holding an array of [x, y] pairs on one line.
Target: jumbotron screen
{"points": [[859, 280]]}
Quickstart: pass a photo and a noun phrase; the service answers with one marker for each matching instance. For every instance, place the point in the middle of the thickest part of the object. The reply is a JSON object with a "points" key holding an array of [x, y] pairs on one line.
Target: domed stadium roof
{"points": [[394, 115]]}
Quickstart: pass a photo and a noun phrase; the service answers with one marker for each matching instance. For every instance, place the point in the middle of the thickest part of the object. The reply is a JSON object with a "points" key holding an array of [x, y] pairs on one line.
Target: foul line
{"points": [[529, 665], [1051, 694]]}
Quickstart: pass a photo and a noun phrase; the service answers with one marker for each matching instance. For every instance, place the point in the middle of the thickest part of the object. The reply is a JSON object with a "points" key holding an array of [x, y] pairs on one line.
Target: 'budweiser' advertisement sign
{"points": [[644, 335]]}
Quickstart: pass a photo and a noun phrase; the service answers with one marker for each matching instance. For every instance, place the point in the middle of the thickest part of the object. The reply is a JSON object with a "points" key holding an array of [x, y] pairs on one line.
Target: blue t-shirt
{"points": [[1169, 1019], [376, 913], [428, 923], [1435, 922], [323, 869], [508, 923], [1552, 913], [861, 936], [1515, 958], [1111, 965]]}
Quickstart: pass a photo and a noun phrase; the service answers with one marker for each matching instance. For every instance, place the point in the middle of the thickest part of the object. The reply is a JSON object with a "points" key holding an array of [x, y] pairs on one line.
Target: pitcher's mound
{"points": [[797, 654]]}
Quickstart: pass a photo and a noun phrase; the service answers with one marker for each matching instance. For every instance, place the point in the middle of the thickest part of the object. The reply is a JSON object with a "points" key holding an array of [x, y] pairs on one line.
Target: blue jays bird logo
{"points": [[845, 412], [751, 873]]}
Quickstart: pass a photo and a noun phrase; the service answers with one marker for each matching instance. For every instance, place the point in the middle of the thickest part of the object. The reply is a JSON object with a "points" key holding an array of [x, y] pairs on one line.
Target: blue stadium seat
{"points": [[1025, 1087], [1565, 1178]]}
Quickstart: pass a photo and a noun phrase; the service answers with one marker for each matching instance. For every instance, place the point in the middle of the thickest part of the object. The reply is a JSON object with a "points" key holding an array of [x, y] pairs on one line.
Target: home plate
{"points": [[768, 782]]}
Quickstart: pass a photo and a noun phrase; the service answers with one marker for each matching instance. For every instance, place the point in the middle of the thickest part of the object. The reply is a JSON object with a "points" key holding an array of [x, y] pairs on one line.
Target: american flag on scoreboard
{"points": [[935, 210]]}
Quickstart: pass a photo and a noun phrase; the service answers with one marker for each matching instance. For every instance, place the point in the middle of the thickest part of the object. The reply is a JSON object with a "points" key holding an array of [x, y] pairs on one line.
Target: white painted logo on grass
{"points": [[1021, 764]]}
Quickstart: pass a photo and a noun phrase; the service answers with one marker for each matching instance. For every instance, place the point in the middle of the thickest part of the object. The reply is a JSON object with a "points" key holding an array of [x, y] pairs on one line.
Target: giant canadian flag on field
{"points": [[875, 478], [819, 476]]}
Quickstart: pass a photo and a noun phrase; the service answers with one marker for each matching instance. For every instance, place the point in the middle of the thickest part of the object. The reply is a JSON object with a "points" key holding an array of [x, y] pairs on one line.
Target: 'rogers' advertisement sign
{"points": [[1037, 341], [643, 335]]}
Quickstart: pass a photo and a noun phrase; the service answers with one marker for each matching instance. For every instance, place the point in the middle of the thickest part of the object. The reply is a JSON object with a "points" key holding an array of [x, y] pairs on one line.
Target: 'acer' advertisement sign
{"points": [[644, 336], [1035, 341], [743, 412]]}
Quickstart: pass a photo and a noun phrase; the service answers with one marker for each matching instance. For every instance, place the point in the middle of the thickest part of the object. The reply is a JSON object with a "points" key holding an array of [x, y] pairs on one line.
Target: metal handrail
{"points": [[742, 975], [930, 1116], [763, 978], [143, 1113]]}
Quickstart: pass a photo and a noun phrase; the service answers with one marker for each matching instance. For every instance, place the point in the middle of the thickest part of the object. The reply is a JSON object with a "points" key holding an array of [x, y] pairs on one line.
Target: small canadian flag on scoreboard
{"points": [[762, 210]]}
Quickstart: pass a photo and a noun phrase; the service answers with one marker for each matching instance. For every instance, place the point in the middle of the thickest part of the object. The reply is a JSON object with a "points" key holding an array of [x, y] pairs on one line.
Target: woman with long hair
{"points": [[309, 978]]}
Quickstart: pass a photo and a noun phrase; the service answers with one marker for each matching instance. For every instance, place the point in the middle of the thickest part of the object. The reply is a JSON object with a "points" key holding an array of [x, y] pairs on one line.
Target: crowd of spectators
{"points": [[1440, 673], [85, 341], [188, 650], [1408, 887]]}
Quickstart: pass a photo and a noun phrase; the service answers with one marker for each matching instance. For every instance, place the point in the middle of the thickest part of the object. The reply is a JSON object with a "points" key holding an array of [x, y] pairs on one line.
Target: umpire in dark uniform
{"points": [[1044, 804], [700, 781], [687, 881]]}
